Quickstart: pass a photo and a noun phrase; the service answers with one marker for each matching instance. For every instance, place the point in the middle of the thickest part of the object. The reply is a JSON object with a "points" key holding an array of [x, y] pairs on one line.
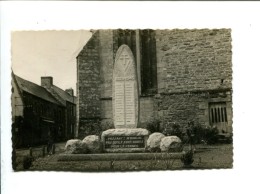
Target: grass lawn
{"points": [[205, 157]]}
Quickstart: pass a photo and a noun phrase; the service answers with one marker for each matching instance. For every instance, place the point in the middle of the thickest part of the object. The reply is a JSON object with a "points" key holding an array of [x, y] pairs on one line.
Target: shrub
{"points": [[153, 125], [208, 135], [106, 124], [93, 129], [187, 158], [211, 135], [199, 132], [27, 162], [174, 129]]}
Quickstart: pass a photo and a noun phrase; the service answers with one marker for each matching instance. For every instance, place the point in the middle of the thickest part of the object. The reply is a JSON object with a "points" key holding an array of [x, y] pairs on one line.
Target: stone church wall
{"points": [[194, 68], [190, 60], [88, 85], [191, 64]]}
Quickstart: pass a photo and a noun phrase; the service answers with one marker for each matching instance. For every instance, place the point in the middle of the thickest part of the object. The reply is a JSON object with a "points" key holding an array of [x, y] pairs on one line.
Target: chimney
{"points": [[70, 91], [46, 82]]}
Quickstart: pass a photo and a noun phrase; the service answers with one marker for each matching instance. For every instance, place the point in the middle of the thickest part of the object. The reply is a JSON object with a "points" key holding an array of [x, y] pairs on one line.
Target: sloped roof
{"points": [[63, 96], [34, 89]]}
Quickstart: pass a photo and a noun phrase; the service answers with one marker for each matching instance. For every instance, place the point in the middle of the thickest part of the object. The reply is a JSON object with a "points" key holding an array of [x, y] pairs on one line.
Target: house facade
{"points": [[37, 114], [183, 75]]}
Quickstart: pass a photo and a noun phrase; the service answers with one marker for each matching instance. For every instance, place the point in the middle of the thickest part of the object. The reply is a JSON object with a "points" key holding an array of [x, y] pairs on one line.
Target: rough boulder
{"points": [[153, 142], [171, 144], [76, 146], [93, 143]]}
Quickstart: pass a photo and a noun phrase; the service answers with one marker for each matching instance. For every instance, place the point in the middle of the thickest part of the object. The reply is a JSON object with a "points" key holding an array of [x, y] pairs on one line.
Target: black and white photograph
{"points": [[129, 97], [127, 100]]}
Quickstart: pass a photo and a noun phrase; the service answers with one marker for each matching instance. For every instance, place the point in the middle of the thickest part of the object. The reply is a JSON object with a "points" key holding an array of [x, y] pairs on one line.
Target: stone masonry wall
{"points": [[184, 107], [181, 108], [191, 64], [88, 84], [106, 74], [147, 108], [194, 68], [190, 60], [106, 62]]}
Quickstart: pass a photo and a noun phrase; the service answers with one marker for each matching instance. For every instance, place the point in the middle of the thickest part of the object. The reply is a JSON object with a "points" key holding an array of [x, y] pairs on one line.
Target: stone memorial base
{"points": [[125, 140]]}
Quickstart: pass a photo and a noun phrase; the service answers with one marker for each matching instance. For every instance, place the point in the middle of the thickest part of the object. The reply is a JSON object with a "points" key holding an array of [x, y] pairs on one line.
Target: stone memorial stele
{"points": [[125, 89], [126, 137]]}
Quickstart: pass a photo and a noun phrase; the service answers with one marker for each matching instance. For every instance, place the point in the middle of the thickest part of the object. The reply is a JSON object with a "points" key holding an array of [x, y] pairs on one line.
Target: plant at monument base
{"points": [[27, 162], [112, 164], [211, 135], [93, 129], [107, 124], [207, 135], [174, 129], [153, 125], [187, 158]]}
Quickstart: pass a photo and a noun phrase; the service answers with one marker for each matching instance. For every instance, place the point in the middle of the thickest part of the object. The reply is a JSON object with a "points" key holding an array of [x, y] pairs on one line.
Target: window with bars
{"points": [[218, 113]]}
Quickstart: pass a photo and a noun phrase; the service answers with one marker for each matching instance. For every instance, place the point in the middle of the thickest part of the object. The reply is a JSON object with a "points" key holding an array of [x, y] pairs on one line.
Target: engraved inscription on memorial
{"points": [[124, 102], [120, 104], [129, 103], [124, 142]]}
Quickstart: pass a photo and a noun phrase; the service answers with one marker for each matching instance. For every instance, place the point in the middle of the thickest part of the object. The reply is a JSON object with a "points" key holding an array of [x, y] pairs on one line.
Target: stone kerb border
{"points": [[125, 140], [120, 156]]}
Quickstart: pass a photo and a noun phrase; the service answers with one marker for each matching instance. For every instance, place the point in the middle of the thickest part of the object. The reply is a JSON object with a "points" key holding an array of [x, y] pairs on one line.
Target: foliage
{"points": [[93, 129], [211, 135], [207, 135], [187, 158], [96, 128], [174, 129], [107, 124], [153, 125], [27, 162]]}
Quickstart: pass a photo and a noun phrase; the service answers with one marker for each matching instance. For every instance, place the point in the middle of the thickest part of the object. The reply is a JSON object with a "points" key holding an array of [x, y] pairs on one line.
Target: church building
{"points": [[182, 75]]}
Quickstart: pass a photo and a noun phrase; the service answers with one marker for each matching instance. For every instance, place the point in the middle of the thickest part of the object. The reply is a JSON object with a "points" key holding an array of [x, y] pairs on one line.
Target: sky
{"points": [[48, 53]]}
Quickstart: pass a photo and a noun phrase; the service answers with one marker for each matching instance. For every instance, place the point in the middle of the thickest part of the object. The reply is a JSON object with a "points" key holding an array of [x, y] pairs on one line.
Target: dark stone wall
{"points": [[106, 62], [190, 60], [88, 84], [193, 106], [194, 68]]}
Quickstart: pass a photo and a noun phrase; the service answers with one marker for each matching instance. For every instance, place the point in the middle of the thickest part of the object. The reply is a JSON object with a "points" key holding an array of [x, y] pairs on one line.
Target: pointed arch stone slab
{"points": [[125, 89]]}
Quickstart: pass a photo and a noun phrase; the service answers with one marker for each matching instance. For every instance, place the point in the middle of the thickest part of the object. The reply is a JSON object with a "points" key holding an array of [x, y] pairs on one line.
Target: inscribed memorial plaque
{"points": [[124, 142]]}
